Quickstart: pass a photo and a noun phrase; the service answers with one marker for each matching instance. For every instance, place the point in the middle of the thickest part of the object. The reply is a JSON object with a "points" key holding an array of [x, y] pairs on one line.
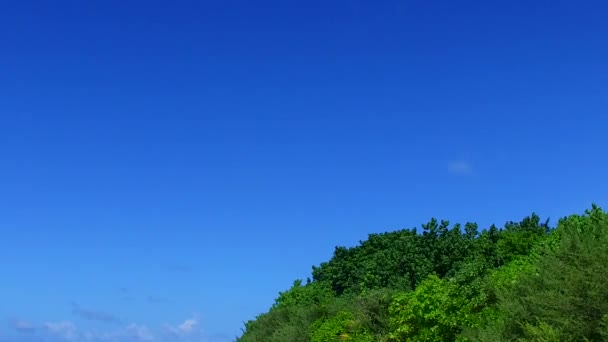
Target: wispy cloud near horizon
{"points": [[187, 331], [188, 327], [65, 330], [22, 325]]}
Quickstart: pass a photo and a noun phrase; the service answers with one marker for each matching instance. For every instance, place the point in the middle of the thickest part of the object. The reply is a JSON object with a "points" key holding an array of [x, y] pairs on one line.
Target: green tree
{"points": [[436, 311], [341, 327], [565, 296]]}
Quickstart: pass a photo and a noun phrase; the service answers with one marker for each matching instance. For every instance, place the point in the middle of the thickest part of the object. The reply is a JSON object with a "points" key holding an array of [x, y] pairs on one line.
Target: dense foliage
{"points": [[524, 282]]}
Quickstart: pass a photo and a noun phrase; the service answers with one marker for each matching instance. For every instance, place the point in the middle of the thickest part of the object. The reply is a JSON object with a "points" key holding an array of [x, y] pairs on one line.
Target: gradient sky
{"points": [[167, 167]]}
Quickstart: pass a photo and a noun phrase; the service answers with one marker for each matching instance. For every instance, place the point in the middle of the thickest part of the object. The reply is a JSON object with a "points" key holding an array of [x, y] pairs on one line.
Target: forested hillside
{"points": [[526, 281]]}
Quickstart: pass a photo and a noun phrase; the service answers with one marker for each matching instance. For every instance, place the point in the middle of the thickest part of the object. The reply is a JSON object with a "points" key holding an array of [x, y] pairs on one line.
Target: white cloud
{"points": [[65, 330], [141, 332], [188, 327], [460, 167], [131, 332]]}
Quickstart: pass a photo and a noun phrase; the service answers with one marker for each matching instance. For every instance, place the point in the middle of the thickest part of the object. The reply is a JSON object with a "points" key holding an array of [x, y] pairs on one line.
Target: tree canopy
{"points": [[526, 281]]}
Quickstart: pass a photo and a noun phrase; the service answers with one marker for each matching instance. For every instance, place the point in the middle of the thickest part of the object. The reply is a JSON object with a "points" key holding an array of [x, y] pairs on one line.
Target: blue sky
{"points": [[168, 167]]}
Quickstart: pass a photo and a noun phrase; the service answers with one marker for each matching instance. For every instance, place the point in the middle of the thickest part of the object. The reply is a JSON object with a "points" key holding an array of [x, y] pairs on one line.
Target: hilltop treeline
{"points": [[526, 281]]}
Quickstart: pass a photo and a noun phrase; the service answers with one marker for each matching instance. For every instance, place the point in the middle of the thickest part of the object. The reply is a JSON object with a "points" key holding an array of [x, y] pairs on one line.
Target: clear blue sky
{"points": [[168, 167]]}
